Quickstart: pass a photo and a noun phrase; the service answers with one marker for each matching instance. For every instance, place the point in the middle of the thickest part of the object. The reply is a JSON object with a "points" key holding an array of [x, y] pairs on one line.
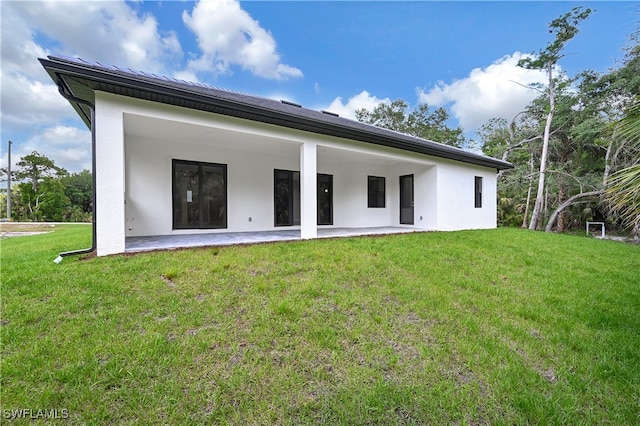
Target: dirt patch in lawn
{"points": [[9, 230]]}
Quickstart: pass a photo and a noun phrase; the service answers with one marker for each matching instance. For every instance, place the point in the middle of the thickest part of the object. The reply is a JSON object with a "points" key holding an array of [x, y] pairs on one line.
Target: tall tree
{"points": [[564, 28], [421, 122], [41, 191], [602, 101], [48, 203], [35, 167], [624, 186], [512, 142], [586, 145], [78, 187]]}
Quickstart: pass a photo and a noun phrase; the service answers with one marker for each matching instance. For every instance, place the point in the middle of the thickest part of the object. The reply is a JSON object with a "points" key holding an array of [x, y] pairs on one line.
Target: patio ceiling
{"points": [[180, 132]]}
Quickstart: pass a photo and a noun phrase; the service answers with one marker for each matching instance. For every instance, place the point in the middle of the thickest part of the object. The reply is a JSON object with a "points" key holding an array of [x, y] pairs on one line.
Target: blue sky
{"points": [[337, 56]]}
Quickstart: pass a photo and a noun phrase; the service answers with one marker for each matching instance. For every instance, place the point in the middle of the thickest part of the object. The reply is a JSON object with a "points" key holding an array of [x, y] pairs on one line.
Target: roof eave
{"points": [[329, 125]]}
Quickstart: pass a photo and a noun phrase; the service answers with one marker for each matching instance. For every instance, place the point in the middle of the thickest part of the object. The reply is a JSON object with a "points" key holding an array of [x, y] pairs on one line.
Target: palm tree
{"points": [[623, 187]]}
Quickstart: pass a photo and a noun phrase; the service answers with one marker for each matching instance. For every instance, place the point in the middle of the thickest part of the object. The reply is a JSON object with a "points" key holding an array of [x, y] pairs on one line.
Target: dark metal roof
{"points": [[81, 78]]}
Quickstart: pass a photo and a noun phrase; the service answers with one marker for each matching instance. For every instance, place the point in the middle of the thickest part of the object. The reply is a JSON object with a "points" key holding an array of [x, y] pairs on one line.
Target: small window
{"points": [[478, 192], [376, 194]]}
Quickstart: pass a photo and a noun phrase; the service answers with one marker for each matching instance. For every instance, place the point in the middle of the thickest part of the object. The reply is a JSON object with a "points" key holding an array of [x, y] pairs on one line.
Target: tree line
{"points": [[575, 148], [47, 192]]}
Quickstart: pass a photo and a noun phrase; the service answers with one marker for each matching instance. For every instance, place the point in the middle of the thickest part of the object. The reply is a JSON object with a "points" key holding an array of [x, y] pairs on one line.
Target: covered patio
{"points": [[169, 242], [178, 164]]}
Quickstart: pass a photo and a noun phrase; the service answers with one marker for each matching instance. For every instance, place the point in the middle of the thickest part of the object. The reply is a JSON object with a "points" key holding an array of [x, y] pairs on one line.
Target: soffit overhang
{"points": [[82, 79]]}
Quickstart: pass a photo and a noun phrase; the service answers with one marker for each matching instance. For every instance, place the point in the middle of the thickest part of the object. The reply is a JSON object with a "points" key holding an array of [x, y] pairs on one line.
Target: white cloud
{"points": [[67, 146], [362, 100], [228, 35], [33, 114], [487, 92], [186, 75], [282, 96], [111, 32], [28, 104]]}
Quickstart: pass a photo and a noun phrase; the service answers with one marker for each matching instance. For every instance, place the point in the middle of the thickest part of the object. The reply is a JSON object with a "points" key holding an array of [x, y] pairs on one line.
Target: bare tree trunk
{"points": [[535, 216], [607, 158], [545, 209], [561, 224], [569, 202], [33, 210], [526, 207]]}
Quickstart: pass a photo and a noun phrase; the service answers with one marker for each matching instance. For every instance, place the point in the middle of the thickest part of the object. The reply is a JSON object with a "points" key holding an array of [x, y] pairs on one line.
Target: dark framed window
{"points": [[199, 195], [375, 192], [478, 192]]}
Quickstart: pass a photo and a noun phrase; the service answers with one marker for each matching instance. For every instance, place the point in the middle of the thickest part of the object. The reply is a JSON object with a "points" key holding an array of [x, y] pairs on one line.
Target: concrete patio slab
{"points": [[168, 242]]}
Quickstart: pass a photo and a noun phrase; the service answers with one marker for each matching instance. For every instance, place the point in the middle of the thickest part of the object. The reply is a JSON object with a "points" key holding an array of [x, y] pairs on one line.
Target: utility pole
{"points": [[9, 181]]}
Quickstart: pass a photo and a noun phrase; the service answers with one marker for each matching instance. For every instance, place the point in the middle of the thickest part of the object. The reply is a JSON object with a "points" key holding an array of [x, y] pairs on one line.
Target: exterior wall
{"points": [[110, 179], [425, 191], [350, 194], [152, 135], [455, 201]]}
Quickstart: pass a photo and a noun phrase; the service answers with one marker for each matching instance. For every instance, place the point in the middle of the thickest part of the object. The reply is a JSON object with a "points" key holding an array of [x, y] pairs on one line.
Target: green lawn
{"points": [[502, 326]]}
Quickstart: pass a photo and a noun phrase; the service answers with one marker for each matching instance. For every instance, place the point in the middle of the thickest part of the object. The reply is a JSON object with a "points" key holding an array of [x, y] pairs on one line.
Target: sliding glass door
{"points": [[199, 195]]}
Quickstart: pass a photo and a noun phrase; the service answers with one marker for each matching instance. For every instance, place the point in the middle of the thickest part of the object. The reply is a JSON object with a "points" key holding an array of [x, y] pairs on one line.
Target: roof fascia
{"points": [[327, 126]]}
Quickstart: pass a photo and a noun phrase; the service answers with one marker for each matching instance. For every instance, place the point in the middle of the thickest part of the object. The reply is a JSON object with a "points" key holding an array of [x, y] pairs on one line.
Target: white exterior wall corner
{"points": [[456, 190], [110, 175]]}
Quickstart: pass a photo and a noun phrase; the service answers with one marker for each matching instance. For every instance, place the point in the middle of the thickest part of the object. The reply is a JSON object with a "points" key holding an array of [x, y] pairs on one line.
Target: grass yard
{"points": [[502, 326]]}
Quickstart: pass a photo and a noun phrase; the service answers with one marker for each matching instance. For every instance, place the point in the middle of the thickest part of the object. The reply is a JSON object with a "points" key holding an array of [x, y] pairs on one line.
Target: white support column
{"points": [[308, 191], [110, 213]]}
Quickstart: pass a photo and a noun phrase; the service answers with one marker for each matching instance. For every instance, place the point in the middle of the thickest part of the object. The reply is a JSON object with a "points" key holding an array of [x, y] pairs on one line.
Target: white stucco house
{"points": [[175, 158]]}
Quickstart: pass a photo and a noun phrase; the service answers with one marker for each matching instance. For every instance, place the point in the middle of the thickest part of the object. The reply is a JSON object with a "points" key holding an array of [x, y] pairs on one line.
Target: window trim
{"points": [[377, 180], [477, 191]]}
